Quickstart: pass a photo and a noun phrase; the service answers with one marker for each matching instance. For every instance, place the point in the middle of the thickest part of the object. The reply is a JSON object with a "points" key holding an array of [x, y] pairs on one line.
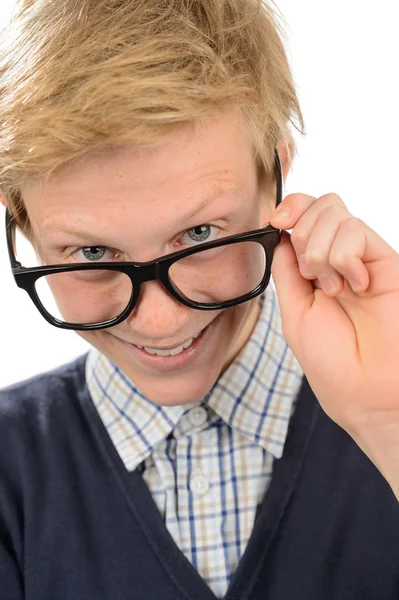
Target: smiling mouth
{"points": [[170, 351]]}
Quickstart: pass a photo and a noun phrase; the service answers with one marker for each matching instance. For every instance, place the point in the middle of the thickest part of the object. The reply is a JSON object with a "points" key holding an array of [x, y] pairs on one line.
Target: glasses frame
{"points": [[153, 270]]}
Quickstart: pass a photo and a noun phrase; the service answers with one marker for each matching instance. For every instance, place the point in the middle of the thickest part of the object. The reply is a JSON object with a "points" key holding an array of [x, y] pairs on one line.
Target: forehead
{"points": [[212, 158]]}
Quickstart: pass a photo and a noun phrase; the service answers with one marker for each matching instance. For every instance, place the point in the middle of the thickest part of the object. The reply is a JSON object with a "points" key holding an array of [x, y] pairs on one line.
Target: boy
{"points": [[187, 456]]}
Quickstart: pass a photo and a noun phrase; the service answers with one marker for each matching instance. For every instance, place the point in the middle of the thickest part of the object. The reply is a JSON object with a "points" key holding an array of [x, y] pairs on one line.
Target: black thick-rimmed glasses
{"points": [[211, 276]]}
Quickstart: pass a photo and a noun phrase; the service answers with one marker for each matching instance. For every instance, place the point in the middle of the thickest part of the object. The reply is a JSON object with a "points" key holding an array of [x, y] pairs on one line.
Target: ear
{"points": [[284, 158], [3, 200]]}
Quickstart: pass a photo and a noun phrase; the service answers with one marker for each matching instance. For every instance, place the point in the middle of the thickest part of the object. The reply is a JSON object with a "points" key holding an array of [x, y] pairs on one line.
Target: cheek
{"points": [[85, 296], [235, 320], [94, 338]]}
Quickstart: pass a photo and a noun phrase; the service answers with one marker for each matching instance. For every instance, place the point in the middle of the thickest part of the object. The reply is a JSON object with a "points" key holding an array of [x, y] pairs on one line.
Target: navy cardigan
{"points": [[76, 525]]}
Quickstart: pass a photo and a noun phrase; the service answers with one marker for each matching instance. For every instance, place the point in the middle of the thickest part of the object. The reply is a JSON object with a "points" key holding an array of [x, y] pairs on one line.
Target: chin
{"points": [[183, 388]]}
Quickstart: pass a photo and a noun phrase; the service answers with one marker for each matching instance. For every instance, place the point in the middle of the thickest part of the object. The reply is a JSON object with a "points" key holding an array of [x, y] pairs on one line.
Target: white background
{"points": [[344, 59]]}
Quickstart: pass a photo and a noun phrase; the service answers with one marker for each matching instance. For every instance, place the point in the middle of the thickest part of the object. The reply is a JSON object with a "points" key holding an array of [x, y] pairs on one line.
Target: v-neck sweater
{"points": [[75, 524], [208, 464]]}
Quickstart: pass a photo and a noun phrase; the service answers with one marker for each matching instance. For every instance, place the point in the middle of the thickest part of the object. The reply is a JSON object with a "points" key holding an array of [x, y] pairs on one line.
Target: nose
{"points": [[158, 316]]}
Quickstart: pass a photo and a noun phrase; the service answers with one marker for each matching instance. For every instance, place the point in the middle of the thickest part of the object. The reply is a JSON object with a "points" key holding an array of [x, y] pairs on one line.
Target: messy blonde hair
{"points": [[85, 76]]}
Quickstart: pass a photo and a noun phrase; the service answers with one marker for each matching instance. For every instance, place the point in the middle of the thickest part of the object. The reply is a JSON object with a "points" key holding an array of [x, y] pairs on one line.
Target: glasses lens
{"points": [[85, 297], [220, 274]]}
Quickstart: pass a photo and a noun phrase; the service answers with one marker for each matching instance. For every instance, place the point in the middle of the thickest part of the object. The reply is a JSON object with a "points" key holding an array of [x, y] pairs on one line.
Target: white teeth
{"points": [[172, 351]]}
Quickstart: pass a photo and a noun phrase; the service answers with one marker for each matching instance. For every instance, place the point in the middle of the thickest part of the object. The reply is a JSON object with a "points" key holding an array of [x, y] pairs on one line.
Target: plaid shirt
{"points": [[208, 465]]}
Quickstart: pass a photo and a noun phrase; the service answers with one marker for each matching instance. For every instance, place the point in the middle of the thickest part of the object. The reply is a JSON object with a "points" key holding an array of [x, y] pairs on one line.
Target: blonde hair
{"points": [[85, 76]]}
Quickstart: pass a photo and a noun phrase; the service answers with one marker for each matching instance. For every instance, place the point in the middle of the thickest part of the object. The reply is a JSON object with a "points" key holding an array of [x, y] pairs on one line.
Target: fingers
{"points": [[298, 204], [312, 239], [347, 251], [328, 241]]}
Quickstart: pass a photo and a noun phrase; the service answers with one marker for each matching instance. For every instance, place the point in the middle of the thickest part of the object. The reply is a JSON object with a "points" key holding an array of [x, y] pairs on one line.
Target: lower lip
{"points": [[185, 358]]}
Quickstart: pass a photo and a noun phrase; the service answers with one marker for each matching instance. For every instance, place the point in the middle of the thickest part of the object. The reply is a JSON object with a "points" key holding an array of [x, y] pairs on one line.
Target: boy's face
{"points": [[132, 202]]}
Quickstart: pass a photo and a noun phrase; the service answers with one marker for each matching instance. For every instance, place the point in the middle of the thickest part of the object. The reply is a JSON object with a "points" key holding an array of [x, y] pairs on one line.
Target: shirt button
{"points": [[198, 416], [199, 485]]}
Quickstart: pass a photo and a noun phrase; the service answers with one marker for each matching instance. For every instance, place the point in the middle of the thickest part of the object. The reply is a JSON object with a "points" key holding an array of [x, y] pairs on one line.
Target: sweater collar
{"points": [[255, 395]]}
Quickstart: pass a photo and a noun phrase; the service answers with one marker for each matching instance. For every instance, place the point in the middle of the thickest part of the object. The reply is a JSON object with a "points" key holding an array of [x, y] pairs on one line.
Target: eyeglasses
{"points": [[212, 276]]}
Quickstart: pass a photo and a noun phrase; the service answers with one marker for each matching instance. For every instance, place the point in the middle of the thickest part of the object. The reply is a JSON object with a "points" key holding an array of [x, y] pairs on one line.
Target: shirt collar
{"points": [[255, 395]]}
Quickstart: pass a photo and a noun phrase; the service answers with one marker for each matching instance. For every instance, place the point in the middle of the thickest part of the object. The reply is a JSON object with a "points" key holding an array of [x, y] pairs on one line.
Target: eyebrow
{"points": [[58, 227], [221, 193]]}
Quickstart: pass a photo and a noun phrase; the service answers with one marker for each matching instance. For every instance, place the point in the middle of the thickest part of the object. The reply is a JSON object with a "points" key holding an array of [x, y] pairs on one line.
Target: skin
{"points": [[130, 200], [346, 339]]}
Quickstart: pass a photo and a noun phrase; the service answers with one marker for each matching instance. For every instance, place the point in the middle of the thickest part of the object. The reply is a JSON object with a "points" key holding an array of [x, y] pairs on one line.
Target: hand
{"points": [[346, 340]]}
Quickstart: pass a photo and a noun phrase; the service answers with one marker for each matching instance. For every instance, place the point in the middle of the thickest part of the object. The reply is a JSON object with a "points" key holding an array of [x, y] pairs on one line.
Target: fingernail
{"points": [[328, 284], [355, 285]]}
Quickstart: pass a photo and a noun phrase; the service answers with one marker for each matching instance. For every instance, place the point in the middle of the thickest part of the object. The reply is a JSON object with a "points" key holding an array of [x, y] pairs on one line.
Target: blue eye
{"points": [[92, 253], [201, 233]]}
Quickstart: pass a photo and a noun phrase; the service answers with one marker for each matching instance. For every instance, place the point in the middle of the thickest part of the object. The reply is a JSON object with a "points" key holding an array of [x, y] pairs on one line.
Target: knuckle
{"points": [[331, 198], [315, 257], [329, 209], [339, 260], [298, 236], [352, 222]]}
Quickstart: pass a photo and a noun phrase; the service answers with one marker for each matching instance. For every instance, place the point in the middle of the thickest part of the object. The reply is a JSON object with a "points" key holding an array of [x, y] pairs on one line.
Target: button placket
{"points": [[198, 416], [199, 484]]}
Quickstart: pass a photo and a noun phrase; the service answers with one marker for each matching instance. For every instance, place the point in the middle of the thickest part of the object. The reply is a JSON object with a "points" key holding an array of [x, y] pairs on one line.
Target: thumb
{"points": [[295, 294]]}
